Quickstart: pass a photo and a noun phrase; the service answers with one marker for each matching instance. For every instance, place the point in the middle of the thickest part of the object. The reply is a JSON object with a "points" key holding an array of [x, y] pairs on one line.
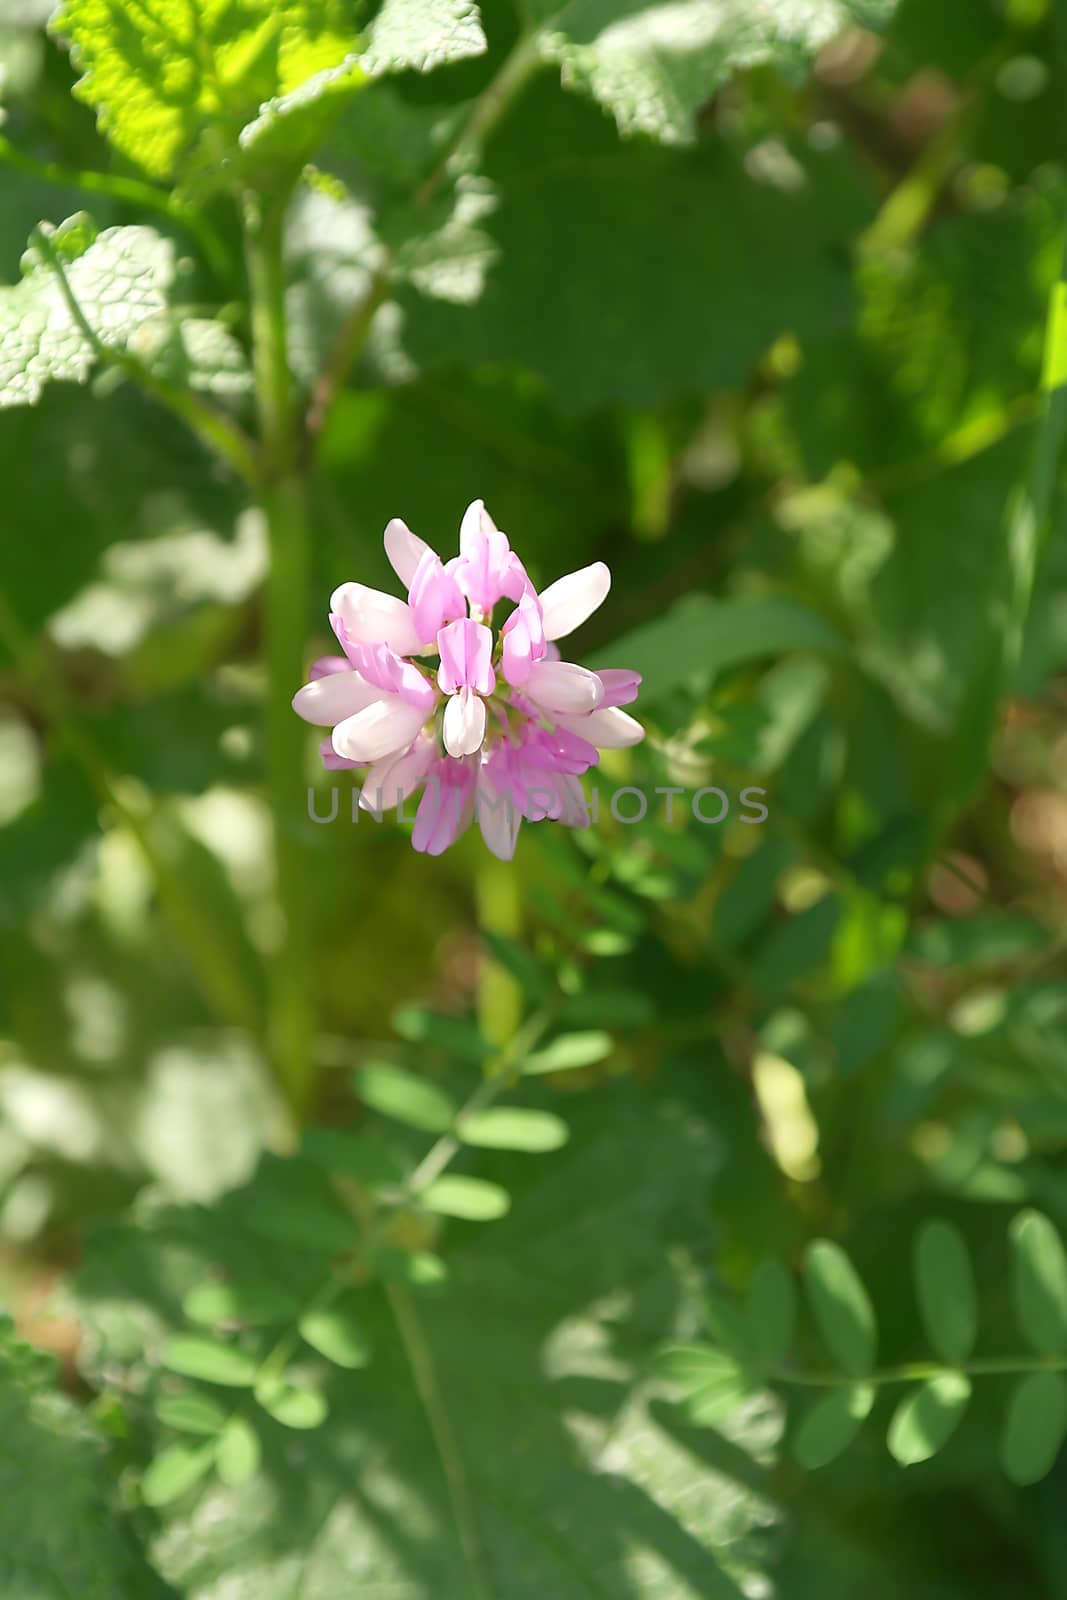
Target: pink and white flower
{"points": [[490, 725]]}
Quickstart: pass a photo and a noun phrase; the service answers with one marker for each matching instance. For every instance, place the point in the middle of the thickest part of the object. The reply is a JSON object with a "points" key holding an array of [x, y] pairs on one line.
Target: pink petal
{"points": [[466, 657], [609, 729], [567, 603], [499, 818], [620, 686], [434, 596], [327, 664], [383, 728], [332, 761], [488, 567], [524, 638], [386, 670], [560, 686], [404, 549], [389, 782], [371, 617], [463, 729], [445, 808], [327, 701]]}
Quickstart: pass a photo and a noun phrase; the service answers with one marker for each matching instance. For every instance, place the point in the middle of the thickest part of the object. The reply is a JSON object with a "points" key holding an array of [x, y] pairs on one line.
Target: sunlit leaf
{"points": [[831, 1424], [174, 1471], [293, 1405], [712, 1383], [336, 1333], [474, 1199], [569, 1051], [238, 1452], [402, 1095], [513, 1128], [257, 1304], [841, 1305], [926, 1419], [193, 1356], [190, 1413], [1040, 1282]]}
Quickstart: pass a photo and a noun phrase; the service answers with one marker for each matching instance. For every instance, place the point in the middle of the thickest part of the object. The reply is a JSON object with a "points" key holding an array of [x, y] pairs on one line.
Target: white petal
{"points": [[499, 820], [567, 603], [372, 617], [389, 782], [386, 726], [560, 686], [610, 729], [404, 549], [464, 723], [327, 701]]}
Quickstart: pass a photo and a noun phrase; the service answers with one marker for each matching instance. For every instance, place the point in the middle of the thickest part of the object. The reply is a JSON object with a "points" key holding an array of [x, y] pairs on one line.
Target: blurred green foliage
{"points": [[453, 1230]]}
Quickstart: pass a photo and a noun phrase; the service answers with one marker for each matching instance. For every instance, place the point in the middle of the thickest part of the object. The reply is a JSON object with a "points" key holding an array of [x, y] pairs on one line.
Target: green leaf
{"points": [[193, 1356], [305, 1223], [655, 66], [1034, 1427], [944, 1284], [63, 1527], [174, 83], [513, 1128], [419, 1269], [473, 1199], [190, 1413], [352, 1155], [622, 1203], [1040, 1282], [569, 1051], [926, 1419], [174, 1471], [120, 278], [712, 1383], [238, 1452], [336, 1332], [705, 636], [831, 1424], [257, 1304], [293, 1405], [841, 1306], [771, 1312], [422, 34], [407, 1098]]}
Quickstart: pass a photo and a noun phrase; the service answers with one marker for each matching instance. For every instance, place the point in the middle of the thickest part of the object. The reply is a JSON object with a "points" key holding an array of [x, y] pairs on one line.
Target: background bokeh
{"points": [[759, 322]]}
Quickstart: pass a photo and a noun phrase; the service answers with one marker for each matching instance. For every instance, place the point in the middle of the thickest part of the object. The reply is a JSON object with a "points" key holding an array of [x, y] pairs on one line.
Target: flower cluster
{"points": [[493, 724]]}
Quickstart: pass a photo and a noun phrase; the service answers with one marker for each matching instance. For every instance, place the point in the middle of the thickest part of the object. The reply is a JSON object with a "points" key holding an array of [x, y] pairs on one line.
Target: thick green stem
{"points": [[499, 911], [283, 498]]}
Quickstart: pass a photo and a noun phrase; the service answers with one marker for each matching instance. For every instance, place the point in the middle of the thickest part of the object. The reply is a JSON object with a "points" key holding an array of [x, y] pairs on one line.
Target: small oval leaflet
{"points": [[713, 1383], [1040, 1282], [335, 1332], [473, 1199], [238, 1454], [831, 1425], [190, 1413], [513, 1128], [945, 1288], [926, 1419], [257, 1304], [841, 1306], [405, 1097], [174, 1471], [1034, 1427], [569, 1051], [291, 1404], [197, 1356]]}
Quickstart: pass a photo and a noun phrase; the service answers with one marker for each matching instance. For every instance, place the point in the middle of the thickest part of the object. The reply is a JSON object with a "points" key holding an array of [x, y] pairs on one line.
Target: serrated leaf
{"points": [[831, 1424], [174, 1471], [337, 1333], [293, 1405], [193, 1356], [926, 1419], [421, 34], [190, 1413], [513, 1128], [119, 278], [1034, 1427], [841, 1306], [473, 1199], [653, 66], [352, 1155], [771, 1312], [570, 1051], [712, 1383], [257, 1304], [1040, 1282], [405, 1097], [238, 1452], [944, 1285], [174, 83]]}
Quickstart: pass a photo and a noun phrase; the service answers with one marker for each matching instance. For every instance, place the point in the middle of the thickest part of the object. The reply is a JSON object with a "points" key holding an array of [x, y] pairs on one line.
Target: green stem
{"points": [[283, 499], [213, 427], [916, 1372], [496, 888], [130, 191], [424, 1372]]}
